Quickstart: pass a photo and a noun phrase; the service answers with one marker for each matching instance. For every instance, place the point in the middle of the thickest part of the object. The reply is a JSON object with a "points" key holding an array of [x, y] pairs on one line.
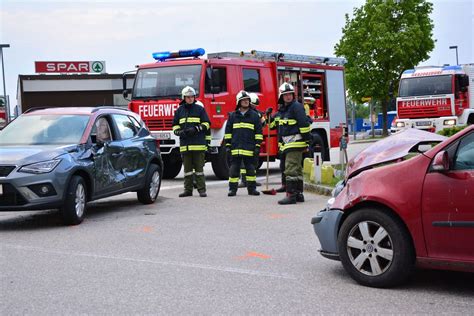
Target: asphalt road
{"points": [[241, 255]]}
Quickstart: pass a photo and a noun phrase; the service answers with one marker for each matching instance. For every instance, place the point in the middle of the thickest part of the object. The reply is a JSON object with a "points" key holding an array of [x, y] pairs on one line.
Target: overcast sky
{"points": [[126, 33]]}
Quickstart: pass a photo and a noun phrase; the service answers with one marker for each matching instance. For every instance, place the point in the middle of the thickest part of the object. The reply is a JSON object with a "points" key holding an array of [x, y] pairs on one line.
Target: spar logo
{"points": [[423, 103], [157, 110]]}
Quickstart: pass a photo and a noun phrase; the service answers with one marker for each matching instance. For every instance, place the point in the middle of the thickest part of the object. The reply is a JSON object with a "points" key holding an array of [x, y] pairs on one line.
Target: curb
{"points": [[318, 189]]}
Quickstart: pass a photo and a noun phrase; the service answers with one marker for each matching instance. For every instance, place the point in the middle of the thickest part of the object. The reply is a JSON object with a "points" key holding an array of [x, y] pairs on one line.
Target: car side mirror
{"points": [[441, 162], [125, 94]]}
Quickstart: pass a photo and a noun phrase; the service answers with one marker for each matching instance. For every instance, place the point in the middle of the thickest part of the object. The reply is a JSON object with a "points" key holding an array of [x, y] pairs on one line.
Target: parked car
{"points": [[65, 157], [401, 206]]}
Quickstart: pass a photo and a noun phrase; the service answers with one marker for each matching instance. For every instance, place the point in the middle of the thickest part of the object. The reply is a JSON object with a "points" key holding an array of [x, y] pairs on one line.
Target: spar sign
{"points": [[70, 66]]}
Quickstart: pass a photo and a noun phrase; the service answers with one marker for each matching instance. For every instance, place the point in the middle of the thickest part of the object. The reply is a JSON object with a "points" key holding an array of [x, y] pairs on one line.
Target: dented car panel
{"points": [[391, 148]]}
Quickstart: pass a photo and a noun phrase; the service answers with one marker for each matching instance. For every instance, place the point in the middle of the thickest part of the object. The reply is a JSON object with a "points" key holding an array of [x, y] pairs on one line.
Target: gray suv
{"points": [[65, 157]]}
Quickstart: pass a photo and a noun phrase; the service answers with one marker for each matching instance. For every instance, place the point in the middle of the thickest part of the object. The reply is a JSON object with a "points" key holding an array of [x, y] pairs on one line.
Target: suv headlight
{"points": [[40, 167], [400, 124], [338, 188]]}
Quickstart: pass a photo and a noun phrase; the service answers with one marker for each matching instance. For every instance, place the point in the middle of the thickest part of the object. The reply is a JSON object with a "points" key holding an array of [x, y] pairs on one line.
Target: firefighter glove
{"points": [[190, 131], [269, 111], [179, 132]]}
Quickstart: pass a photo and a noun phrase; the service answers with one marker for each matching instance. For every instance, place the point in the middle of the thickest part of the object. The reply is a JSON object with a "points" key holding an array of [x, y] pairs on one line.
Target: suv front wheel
{"points": [[375, 248], [150, 191], [74, 207]]}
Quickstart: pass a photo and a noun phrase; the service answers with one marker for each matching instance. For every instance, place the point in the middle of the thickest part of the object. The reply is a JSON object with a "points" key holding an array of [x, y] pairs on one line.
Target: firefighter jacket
{"points": [[293, 127], [192, 125], [243, 133]]}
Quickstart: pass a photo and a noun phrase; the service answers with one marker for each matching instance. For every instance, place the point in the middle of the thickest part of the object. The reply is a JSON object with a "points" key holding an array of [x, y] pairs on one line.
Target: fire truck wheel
{"points": [[220, 164], [318, 142], [171, 166]]}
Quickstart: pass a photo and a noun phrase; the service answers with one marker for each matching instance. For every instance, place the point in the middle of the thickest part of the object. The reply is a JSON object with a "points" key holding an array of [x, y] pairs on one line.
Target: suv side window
{"points": [[217, 78], [125, 126], [465, 155], [101, 130], [251, 80]]}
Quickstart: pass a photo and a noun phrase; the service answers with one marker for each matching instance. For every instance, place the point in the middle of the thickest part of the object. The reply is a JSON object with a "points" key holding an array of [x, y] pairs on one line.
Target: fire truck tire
{"points": [[318, 141], [220, 164], [171, 166]]}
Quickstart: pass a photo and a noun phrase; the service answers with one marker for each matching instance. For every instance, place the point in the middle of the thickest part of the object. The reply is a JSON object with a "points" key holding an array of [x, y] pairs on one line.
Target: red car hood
{"points": [[391, 148]]}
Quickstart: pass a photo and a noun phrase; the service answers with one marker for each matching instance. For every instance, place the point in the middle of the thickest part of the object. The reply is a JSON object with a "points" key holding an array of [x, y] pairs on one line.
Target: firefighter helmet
{"points": [[254, 99], [241, 96], [286, 88], [188, 92]]}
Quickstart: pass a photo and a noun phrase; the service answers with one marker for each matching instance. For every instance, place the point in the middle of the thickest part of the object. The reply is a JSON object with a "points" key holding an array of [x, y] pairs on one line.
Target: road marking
{"points": [[165, 263], [253, 254]]}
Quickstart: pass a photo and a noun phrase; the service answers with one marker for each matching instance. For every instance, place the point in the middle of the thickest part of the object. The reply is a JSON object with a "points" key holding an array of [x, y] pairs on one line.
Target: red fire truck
{"points": [[433, 98], [318, 81]]}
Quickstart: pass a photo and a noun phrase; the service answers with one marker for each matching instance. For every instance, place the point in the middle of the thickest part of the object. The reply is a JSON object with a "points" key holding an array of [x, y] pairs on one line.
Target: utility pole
{"points": [[7, 104]]}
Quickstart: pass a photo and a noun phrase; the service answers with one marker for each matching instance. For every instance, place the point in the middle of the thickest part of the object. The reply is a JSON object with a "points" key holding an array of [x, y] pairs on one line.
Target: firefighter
{"points": [[294, 133], [254, 102], [243, 135], [192, 125]]}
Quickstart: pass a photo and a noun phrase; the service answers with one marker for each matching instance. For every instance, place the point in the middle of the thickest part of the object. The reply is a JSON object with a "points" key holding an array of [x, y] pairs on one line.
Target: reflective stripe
{"points": [[288, 121], [304, 130], [228, 136], [233, 180], [189, 120], [175, 127], [197, 147], [192, 148], [206, 124], [243, 125], [251, 178], [294, 145], [188, 174], [242, 152], [208, 137], [257, 145], [243, 170], [259, 136], [199, 173]]}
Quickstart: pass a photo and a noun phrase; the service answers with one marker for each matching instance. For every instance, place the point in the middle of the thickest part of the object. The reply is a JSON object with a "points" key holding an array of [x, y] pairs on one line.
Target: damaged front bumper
{"points": [[326, 227]]}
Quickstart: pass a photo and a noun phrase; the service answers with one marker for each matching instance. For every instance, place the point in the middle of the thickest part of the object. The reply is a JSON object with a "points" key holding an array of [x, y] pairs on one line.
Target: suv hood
{"points": [[389, 149], [23, 155]]}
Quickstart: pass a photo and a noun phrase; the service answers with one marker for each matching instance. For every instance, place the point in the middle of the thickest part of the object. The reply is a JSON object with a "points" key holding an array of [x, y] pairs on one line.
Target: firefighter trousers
{"points": [[234, 172], [294, 171], [193, 162]]}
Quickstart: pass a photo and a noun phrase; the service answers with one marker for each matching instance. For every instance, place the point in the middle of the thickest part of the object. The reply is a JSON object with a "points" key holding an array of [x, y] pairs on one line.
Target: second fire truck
{"points": [[433, 98], [318, 81]]}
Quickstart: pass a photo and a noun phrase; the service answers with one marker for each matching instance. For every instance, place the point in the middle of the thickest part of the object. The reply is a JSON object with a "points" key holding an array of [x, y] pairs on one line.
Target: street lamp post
{"points": [[456, 48], [7, 106]]}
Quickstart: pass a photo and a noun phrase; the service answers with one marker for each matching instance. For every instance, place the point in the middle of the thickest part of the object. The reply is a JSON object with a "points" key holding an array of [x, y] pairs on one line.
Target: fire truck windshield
{"points": [[432, 85], [166, 81]]}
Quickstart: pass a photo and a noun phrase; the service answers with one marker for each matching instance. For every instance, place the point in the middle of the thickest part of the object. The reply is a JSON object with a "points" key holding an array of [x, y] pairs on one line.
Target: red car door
{"points": [[448, 205]]}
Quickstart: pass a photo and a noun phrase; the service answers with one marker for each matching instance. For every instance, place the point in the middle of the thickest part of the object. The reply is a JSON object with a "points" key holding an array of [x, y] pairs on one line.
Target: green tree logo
{"points": [[97, 66]]}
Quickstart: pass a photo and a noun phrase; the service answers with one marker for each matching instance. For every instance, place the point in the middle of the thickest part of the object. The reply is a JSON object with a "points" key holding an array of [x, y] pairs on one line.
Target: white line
{"points": [[170, 263]]}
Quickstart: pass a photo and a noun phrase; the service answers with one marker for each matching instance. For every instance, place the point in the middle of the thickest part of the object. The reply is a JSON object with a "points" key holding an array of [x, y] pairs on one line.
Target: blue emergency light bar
{"points": [[161, 56]]}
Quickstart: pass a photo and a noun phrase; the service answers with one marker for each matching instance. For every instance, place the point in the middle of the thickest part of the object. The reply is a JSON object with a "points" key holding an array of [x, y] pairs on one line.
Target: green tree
{"points": [[384, 38]]}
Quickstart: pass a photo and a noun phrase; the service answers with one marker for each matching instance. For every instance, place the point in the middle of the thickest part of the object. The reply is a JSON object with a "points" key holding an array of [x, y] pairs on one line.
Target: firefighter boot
{"points": [[252, 188], [283, 184], [186, 193], [299, 194], [290, 194], [233, 186]]}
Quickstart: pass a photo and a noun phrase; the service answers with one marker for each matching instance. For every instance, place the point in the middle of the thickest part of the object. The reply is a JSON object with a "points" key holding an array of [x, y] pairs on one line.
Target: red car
{"points": [[403, 203]]}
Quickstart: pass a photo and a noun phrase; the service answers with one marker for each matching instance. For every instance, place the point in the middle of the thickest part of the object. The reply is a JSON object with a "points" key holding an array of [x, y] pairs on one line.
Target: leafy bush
{"points": [[450, 131]]}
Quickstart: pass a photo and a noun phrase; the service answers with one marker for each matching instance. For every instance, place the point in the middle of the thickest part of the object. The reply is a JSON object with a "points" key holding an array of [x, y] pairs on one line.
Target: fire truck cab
{"points": [[156, 94], [432, 98]]}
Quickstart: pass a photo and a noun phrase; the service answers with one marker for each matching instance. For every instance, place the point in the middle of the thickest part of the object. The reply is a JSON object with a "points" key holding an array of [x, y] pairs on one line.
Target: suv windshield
{"points": [[166, 81], [44, 130], [433, 85]]}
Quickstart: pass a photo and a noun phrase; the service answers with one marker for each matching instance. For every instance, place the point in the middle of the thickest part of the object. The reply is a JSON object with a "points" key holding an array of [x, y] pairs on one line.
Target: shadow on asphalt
{"points": [[101, 210], [425, 280]]}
